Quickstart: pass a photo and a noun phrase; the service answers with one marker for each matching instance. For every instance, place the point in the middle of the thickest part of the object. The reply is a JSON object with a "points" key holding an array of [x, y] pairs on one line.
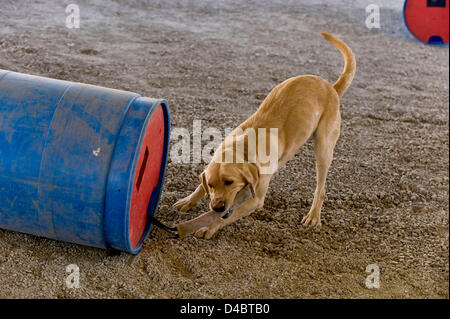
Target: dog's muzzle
{"points": [[219, 207]]}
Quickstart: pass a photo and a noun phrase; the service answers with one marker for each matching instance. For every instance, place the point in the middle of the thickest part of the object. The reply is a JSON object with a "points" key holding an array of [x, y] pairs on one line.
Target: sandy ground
{"points": [[386, 202]]}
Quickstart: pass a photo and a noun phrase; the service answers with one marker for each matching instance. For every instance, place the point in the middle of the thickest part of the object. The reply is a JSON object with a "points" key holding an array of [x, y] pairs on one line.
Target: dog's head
{"points": [[222, 181]]}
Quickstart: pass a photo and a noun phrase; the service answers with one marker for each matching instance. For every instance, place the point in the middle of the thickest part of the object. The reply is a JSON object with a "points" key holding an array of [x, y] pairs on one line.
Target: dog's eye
{"points": [[210, 186], [228, 182]]}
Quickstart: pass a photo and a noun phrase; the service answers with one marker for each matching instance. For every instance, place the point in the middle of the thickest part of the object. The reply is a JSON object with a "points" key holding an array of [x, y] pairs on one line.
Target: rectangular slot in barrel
{"points": [[142, 169], [436, 3]]}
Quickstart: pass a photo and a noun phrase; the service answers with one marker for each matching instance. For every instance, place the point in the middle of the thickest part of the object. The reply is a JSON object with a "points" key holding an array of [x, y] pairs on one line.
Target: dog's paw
{"points": [[311, 220], [184, 204], [205, 232]]}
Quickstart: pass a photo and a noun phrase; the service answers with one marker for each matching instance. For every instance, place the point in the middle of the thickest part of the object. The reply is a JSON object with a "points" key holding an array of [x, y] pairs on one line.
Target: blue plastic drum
{"points": [[80, 163]]}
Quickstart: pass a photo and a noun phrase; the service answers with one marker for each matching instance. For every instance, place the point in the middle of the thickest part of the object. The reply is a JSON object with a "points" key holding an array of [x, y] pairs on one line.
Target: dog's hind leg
{"points": [[327, 134], [190, 201]]}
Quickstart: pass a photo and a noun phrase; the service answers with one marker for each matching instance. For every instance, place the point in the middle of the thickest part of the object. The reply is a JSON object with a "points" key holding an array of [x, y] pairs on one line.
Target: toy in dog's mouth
{"points": [[228, 214], [191, 226], [244, 194]]}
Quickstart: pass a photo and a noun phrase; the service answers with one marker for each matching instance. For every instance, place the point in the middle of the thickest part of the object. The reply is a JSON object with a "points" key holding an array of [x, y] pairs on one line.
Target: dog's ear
{"points": [[205, 185], [251, 175]]}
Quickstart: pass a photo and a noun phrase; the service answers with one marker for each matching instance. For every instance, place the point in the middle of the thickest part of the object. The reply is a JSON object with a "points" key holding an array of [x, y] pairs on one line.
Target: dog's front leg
{"points": [[242, 210], [190, 201]]}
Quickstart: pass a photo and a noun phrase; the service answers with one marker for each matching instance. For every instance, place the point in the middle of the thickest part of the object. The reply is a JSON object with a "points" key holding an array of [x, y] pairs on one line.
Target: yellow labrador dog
{"points": [[299, 108]]}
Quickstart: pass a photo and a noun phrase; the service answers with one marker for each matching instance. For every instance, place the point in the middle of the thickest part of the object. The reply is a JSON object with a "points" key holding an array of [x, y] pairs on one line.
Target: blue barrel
{"points": [[80, 163]]}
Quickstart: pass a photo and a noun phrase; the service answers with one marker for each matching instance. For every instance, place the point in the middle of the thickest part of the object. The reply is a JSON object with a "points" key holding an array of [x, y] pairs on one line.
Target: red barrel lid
{"points": [[428, 20], [146, 177]]}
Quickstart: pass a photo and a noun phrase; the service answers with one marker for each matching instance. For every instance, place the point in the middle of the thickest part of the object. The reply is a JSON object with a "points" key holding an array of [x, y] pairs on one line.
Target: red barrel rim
{"points": [[146, 176]]}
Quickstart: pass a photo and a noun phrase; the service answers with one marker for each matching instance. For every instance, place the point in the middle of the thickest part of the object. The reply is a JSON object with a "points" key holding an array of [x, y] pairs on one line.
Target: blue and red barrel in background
{"points": [[427, 20], [80, 163]]}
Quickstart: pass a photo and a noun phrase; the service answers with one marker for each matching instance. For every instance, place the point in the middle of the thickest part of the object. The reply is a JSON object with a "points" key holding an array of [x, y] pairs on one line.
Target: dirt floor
{"points": [[215, 61]]}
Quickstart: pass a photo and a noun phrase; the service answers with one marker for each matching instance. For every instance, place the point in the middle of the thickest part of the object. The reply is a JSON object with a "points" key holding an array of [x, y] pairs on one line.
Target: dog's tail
{"points": [[346, 77]]}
